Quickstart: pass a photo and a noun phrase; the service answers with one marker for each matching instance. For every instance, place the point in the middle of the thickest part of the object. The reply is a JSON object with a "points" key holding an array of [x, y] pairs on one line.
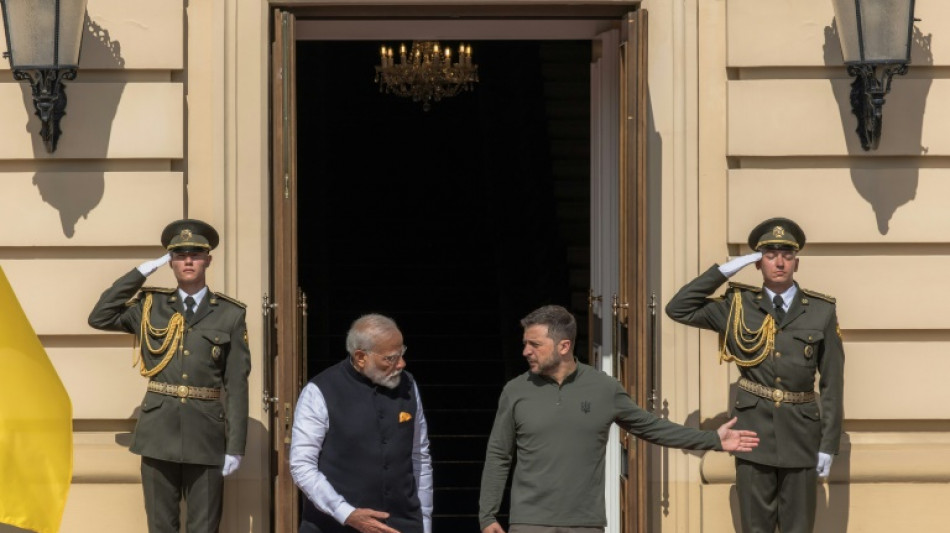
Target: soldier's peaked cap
{"points": [[777, 233], [189, 235]]}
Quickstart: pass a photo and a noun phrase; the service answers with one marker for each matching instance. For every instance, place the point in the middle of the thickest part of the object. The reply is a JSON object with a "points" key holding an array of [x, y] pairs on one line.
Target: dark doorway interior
{"points": [[456, 222]]}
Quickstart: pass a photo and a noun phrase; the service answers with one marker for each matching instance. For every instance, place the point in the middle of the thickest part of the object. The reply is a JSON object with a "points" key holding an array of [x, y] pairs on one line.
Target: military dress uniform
{"points": [[777, 359], [196, 404]]}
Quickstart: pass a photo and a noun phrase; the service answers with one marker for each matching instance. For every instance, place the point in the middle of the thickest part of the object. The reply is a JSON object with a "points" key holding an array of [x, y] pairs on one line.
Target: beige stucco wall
{"points": [[148, 138]]}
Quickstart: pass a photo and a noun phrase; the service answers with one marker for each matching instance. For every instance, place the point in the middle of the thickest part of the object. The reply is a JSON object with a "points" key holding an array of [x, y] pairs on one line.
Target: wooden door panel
{"points": [[632, 307], [288, 307]]}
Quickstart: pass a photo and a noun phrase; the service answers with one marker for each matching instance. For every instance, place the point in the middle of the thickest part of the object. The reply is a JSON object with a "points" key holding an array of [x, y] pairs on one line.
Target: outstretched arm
{"points": [[693, 306], [736, 440]]}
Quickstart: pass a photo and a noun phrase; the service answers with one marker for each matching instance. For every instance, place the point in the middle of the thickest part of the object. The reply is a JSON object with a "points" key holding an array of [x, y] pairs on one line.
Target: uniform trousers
{"points": [[770, 496], [525, 528], [165, 483]]}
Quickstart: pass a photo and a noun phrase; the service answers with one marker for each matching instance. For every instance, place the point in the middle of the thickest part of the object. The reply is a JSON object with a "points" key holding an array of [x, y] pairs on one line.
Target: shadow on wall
{"points": [[886, 192], [834, 495], [661, 407], [75, 194]]}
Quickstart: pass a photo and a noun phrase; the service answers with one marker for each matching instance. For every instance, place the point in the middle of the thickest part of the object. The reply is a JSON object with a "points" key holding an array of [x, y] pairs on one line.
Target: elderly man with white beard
{"points": [[360, 446]]}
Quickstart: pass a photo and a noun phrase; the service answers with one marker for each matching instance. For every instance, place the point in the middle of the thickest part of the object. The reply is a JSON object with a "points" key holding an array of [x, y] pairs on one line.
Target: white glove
{"points": [[148, 267], [824, 464], [231, 464], [739, 263]]}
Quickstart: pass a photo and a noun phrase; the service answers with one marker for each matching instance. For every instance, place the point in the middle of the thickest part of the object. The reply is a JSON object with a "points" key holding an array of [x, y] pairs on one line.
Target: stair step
{"points": [[465, 396], [457, 474], [462, 422], [458, 447]]}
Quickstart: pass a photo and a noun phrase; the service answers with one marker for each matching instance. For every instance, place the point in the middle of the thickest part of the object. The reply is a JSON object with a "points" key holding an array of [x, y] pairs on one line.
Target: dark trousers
{"points": [[165, 484], [770, 496]]}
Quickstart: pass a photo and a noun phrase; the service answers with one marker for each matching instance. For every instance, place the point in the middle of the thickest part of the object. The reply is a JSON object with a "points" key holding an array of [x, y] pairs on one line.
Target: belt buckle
{"points": [[778, 395], [182, 391]]}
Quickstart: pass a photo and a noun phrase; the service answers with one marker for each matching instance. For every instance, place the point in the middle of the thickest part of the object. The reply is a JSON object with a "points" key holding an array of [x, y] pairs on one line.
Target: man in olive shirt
{"points": [[779, 335], [194, 352], [555, 419]]}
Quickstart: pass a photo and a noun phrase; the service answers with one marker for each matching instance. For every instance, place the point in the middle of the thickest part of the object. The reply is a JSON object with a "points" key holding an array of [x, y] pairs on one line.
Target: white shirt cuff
{"points": [[342, 512]]}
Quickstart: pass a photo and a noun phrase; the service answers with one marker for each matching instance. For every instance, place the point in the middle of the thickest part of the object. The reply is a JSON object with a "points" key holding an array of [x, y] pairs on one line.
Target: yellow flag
{"points": [[36, 440]]}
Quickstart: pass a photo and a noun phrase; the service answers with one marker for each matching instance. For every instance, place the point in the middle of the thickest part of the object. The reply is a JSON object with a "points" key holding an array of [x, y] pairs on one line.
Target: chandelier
{"points": [[426, 73]]}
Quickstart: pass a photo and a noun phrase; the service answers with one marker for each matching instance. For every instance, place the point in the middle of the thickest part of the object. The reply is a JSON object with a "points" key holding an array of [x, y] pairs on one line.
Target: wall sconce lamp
{"points": [[43, 41], [875, 34]]}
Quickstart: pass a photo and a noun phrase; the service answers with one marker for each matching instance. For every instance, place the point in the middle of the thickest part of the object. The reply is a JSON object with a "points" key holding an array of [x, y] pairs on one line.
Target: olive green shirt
{"points": [[558, 434]]}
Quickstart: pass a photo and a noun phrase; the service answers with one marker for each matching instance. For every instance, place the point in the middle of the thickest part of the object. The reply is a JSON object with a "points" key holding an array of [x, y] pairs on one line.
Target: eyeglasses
{"points": [[394, 358]]}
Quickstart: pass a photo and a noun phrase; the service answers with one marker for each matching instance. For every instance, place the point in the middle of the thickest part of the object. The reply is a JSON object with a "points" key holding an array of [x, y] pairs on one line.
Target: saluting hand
{"points": [[736, 440], [148, 267], [739, 263], [368, 521]]}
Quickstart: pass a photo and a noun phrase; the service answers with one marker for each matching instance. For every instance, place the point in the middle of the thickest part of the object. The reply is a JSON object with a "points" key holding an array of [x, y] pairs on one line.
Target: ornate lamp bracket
{"points": [[49, 99], [867, 98]]}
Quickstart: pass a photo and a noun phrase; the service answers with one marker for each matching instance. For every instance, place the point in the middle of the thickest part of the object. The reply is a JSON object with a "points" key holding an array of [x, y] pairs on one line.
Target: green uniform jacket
{"points": [[808, 340], [214, 354]]}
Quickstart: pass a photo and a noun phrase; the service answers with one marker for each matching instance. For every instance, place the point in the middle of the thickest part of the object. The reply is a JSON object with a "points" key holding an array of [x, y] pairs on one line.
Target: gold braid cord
{"points": [[171, 338], [749, 341]]}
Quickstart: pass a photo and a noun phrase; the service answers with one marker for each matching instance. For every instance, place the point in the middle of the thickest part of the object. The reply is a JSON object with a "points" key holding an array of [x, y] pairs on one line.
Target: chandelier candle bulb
{"points": [[426, 72]]}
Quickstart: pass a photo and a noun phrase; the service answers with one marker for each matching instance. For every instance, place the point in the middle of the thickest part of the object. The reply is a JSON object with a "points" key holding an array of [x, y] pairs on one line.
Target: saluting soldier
{"points": [[191, 345], [778, 335]]}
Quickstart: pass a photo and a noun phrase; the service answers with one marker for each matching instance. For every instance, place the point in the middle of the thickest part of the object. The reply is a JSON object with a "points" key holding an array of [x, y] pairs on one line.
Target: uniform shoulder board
{"points": [[813, 294], [138, 296], [157, 289], [238, 303], [744, 286]]}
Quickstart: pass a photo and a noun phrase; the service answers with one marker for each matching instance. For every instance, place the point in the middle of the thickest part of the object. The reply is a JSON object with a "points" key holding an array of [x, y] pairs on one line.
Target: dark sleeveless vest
{"points": [[367, 451]]}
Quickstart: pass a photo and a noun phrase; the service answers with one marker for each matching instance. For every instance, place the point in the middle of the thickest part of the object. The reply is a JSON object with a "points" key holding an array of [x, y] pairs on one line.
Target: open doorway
{"points": [[456, 222]]}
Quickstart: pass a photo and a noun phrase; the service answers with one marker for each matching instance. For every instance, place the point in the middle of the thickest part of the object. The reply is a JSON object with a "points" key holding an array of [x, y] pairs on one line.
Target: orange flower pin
{"points": [[404, 417]]}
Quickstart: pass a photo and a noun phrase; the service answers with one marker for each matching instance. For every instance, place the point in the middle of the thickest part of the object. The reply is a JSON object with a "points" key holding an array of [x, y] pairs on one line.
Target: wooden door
{"points": [[287, 309], [631, 308]]}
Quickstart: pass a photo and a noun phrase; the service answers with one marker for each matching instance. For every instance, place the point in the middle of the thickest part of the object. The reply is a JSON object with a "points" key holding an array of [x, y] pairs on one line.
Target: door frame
{"points": [[607, 262]]}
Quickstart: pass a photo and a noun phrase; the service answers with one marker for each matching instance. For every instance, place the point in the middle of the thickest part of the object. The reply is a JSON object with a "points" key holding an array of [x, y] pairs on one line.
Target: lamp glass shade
{"points": [[72, 22], [875, 31], [37, 37]]}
